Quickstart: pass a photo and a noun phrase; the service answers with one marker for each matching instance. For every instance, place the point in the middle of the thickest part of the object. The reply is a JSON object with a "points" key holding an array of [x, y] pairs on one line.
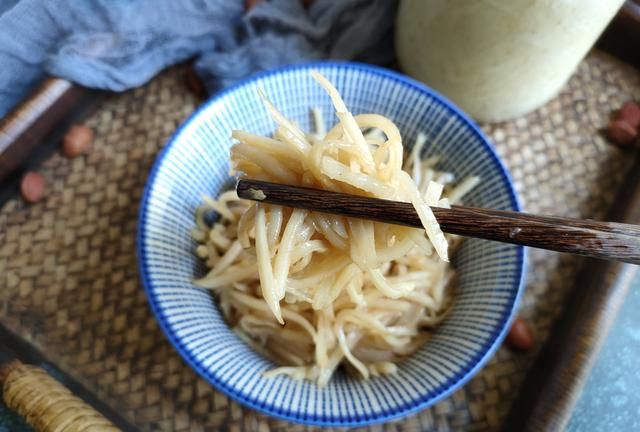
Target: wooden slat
{"points": [[622, 37]]}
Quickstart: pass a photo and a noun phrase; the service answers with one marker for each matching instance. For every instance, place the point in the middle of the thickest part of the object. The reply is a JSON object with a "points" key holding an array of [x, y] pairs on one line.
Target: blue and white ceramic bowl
{"points": [[196, 162]]}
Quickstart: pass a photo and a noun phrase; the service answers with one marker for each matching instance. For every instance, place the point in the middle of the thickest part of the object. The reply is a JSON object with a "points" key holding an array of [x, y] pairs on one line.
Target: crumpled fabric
{"points": [[119, 44]]}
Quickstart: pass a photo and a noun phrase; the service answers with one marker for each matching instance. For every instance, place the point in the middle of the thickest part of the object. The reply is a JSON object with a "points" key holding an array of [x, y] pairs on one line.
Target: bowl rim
{"points": [[497, 336]]}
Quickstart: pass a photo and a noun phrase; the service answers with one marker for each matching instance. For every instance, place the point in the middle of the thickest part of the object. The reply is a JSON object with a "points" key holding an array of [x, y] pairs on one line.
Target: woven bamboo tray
{"points": [[68, 273]]}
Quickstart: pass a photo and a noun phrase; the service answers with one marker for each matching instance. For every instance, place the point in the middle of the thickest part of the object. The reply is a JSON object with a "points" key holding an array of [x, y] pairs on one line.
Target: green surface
{"points": [[10, 422], [610, 400]]}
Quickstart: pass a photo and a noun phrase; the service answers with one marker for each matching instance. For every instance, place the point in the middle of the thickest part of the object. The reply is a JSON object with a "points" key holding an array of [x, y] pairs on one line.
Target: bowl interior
{"points": [[196, 162]]}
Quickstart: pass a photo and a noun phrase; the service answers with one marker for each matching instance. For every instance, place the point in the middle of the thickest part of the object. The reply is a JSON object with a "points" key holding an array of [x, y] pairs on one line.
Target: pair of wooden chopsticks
{"points": [[605, 240]]}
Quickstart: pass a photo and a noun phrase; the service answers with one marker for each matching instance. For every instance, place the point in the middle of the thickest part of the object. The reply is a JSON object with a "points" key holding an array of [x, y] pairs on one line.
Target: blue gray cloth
{"points": [[119, 44]]}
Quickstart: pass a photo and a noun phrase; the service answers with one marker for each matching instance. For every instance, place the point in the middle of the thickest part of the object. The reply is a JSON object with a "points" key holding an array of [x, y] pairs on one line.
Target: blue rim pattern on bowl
{"points": [[453, 383]]}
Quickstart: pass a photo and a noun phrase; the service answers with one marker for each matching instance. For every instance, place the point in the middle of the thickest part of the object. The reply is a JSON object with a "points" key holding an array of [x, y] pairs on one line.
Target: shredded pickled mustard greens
{"points": [[313, 291]]}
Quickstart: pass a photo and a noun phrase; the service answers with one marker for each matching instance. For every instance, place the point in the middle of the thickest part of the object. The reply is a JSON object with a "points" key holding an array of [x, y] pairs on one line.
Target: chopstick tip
{"points": [[246, 190]]}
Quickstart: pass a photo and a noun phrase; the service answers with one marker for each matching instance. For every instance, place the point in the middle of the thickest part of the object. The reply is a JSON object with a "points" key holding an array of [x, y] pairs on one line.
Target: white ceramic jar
{"points": [[498, 59]]}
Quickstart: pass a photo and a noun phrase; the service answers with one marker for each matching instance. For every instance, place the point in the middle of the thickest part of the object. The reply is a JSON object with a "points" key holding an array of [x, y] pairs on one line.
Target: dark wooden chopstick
{"points": [[605, 240]]}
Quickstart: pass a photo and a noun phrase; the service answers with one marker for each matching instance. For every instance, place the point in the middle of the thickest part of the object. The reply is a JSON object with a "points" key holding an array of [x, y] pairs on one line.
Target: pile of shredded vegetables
{"points": [[313, 291]]}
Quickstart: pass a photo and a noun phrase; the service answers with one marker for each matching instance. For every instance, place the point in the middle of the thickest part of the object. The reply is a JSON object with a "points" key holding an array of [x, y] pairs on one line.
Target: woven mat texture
{"points": [[69, 281]]}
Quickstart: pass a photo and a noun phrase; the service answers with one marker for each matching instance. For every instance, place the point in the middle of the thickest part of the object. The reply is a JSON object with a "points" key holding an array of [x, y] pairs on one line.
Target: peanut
{"points": [[77, 141], [32, 187], [519, 336]]}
